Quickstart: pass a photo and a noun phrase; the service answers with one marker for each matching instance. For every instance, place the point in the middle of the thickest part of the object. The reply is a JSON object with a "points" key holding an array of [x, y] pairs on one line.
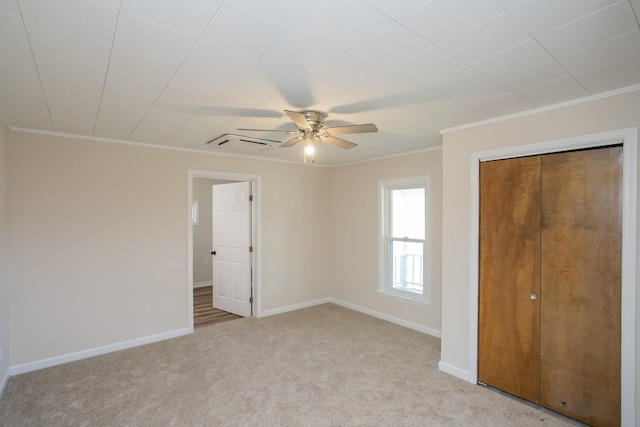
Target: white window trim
{"points": [[384, 289]]}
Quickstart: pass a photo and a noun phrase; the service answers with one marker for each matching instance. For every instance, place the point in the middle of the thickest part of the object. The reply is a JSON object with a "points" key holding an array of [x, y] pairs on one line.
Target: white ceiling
{"points": [[181, 73]]}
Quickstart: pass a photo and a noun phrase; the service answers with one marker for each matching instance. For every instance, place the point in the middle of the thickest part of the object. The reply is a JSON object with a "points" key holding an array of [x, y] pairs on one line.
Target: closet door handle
{"points": [[533, 296]]}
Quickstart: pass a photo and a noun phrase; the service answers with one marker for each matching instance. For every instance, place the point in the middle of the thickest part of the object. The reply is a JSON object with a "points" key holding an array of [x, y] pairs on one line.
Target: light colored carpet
{"points": [[320, 366]]}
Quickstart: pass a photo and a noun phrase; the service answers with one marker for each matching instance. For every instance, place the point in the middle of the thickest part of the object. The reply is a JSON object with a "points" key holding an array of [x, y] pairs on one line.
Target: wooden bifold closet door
{"points": [[550, 277]]}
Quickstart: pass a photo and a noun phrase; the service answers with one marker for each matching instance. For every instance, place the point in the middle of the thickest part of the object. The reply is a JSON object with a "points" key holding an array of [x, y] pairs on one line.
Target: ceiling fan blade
{"points": [[299, 119], [292, 141], [338, 130], [336, 141], [269, 130]]}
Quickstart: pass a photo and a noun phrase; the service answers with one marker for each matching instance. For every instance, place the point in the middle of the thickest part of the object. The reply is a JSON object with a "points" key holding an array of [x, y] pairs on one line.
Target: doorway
{"points": [[196, 277]]}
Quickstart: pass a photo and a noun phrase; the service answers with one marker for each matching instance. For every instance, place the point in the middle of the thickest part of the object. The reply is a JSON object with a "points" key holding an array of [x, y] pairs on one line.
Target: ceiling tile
{"points": [[347, 71], [431, 102], [155, 72], [310, 92], [540, 16], [511, 4], [117, 121], [24, 107], [396, 9], [217, 60], [190, 87], [157, 124], [414, 119], [428, 66], [553, 92], [285, 12], [47, 41], [152, 40], [598, 55], [113, 4], [123, 87], [10, 7], [611, 72], [19, 77], [514, 59], [392, 46], [115, 94], [385, 85], [186, 16], [464, 114], [294, 53], [345, 31], [467, 86], [16, 57], [237, 29], [374, 107], [537, 74], [607, 85], [12, 31], [635, 4], [185, 136], [80, 17], [604, 24], [505, 102], [73, 115], [259, 83], [441, 20], [55, 72], [486, 39]]}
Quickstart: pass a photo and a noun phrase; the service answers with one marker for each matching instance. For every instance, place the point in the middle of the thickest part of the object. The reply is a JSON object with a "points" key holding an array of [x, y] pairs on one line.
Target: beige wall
{"points": [[4, 251], [202, 270], [99, 240], [354, 225], [608, 114]]}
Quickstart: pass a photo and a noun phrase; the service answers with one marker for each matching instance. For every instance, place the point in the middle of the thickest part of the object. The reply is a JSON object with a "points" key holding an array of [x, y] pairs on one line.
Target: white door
{"points": [[231, 247]]}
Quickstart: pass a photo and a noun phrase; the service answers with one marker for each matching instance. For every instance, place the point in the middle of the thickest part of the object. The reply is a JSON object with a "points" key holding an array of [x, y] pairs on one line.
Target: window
{"points": [[403, 247]]}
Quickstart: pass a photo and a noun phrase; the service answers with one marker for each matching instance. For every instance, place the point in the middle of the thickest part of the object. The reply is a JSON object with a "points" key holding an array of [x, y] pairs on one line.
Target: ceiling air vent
{"points": [[231, 143]]}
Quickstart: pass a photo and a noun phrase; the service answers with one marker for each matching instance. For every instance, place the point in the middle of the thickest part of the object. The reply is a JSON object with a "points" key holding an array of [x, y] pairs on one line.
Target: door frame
{"points": [[629, 139], [256, 226]]}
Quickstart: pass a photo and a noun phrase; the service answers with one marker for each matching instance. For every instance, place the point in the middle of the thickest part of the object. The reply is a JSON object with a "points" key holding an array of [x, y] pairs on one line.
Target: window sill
{"points": [[405, 297]]}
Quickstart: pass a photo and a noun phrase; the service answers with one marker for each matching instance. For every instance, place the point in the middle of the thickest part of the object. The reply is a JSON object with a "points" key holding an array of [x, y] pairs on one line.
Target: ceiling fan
{"points": [[311, 128]]}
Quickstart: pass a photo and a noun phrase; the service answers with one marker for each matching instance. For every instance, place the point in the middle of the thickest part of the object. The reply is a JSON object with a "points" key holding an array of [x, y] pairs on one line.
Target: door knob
{"points": [[213, 252], [534, 296]]}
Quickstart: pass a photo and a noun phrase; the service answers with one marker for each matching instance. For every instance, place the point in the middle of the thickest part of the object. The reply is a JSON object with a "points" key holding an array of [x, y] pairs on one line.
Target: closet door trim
{"points": [[629, 139]]}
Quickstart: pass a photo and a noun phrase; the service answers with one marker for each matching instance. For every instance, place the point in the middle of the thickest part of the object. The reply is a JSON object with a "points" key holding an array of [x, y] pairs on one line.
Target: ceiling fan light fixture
{"points": [[309, 152]]}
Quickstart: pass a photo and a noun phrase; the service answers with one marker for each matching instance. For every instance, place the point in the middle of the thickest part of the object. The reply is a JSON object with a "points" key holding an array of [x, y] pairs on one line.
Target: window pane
{"points": [[407, 213], [407, 265]]}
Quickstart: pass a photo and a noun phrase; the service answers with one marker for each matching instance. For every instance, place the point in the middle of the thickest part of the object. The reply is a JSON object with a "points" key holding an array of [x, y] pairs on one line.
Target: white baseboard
{"points": [[453, 370], [202, 284], [388, 318], [84, 354], [4, 381], [265, 313]]}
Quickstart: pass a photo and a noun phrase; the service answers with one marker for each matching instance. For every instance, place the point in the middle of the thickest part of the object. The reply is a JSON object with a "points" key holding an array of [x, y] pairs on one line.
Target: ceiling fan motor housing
{"points": [[315, 119]]}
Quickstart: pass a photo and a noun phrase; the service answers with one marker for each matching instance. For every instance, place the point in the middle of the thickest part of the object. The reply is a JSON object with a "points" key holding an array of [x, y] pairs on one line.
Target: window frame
{"points": [[385, 286]]}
